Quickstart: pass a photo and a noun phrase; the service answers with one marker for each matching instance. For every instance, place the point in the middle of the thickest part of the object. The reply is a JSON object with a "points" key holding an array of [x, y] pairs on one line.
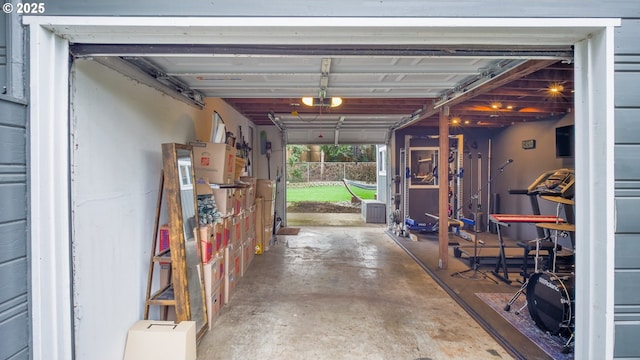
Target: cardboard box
{"points": [[237, 262], [246, 224], [203, 187], [263, 239], [222, 268], [268, 212], [239, 163], [268, 235], [226, 236], [236, 230], [259, 213], [243, 227], [206, 242], [250, 195], [212, 275], [231, 277], [247, 252], [238, 203], [214, 304], [266, 189], [206, 233], [165, 274], [221, 294], [218, 242], [161, 340], [259, 225], [224, 201], [214, 162], [252, 241], [206, 251]]}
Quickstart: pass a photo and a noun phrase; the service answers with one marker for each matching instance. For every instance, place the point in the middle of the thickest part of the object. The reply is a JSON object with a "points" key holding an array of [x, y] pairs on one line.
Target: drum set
{"points": [[550, 289]]}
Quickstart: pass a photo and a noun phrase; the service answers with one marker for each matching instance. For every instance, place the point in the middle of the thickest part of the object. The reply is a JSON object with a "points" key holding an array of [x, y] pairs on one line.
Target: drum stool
{"points": [[529, 246]]}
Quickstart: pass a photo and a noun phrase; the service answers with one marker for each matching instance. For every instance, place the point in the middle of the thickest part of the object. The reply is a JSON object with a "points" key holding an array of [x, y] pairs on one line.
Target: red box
{"points": [[207, 251], [164, 238]]}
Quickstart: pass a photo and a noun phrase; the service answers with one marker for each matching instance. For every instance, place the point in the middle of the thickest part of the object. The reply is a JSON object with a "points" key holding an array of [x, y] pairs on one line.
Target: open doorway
{"points": [[326, 184]]}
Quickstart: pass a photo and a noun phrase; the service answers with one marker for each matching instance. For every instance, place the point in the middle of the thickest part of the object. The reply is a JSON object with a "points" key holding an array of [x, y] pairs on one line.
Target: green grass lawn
{"points": [[327, 193]]}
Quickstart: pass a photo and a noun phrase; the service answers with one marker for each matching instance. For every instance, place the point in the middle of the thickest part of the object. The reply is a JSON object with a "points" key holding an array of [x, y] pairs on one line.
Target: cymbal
{"points": [[558, 199], [559, 227]]}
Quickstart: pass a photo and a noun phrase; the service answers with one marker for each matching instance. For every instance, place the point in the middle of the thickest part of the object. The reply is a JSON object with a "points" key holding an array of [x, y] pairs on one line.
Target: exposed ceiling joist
{"points": [[458, 97]]}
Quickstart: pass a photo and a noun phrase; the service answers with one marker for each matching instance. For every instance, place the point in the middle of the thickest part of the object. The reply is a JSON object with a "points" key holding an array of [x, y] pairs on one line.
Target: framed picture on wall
{"points": [[423, 162]]}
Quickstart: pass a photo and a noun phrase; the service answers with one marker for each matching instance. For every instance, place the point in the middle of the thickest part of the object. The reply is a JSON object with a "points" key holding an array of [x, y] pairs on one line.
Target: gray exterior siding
{"points": [[14, 255], [3, 57], [627, 175], [358, 8]]}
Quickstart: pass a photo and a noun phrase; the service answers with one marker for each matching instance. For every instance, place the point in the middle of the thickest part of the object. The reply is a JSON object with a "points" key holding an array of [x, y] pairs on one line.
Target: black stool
{"points": [[528, 246]]}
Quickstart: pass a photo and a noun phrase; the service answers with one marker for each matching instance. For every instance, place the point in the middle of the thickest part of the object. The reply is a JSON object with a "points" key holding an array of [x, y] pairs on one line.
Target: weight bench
{"points": [[451, 222]]}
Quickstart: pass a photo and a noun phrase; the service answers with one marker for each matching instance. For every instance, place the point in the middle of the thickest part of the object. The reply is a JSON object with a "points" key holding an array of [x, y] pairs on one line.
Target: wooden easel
{"points": [[164, 297]]}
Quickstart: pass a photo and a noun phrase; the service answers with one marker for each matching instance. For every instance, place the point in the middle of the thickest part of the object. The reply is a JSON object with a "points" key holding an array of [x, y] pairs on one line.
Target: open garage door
{"points": [[51, 33]]}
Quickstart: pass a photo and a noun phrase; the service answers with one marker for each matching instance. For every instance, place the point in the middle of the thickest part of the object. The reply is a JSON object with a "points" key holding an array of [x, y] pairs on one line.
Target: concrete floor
{"points": [[343, 293]]}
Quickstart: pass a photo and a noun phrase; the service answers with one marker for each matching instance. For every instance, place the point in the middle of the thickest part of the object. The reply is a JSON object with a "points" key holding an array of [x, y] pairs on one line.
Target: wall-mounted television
{"points": [[565, 141]]}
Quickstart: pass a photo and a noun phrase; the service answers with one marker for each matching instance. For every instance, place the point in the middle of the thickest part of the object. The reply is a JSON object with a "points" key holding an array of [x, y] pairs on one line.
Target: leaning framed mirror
{"points": [[186, 268]]}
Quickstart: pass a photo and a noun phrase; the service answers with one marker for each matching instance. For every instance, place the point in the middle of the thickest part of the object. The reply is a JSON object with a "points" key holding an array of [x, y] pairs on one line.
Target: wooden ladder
{"points": [[163, 297]]}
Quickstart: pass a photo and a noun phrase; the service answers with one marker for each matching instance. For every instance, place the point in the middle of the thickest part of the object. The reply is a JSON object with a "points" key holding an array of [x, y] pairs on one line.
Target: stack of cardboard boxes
{"points": [[265, 211], [228, 245]]}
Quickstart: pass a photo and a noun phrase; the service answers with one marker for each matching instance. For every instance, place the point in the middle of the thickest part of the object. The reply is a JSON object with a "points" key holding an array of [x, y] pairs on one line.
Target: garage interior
{"points": [[388, 89], [390, 94]]}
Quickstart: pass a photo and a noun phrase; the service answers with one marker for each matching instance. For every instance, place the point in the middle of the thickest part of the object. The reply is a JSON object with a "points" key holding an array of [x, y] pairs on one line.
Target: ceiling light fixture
{"points": [[333, 102], [555, 89]]}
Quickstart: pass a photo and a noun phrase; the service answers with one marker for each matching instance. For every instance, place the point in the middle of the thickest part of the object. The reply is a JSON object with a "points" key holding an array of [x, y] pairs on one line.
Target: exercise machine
{"points": [[419, 159]]}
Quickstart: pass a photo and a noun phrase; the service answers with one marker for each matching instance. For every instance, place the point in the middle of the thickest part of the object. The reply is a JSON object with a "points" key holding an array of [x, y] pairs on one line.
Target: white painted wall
{"points": [[118, 126], [277, 163]]}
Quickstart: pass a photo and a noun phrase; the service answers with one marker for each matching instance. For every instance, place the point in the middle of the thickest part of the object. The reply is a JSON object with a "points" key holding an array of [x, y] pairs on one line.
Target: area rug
{"points": [[550, 344], [288, 231]]}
